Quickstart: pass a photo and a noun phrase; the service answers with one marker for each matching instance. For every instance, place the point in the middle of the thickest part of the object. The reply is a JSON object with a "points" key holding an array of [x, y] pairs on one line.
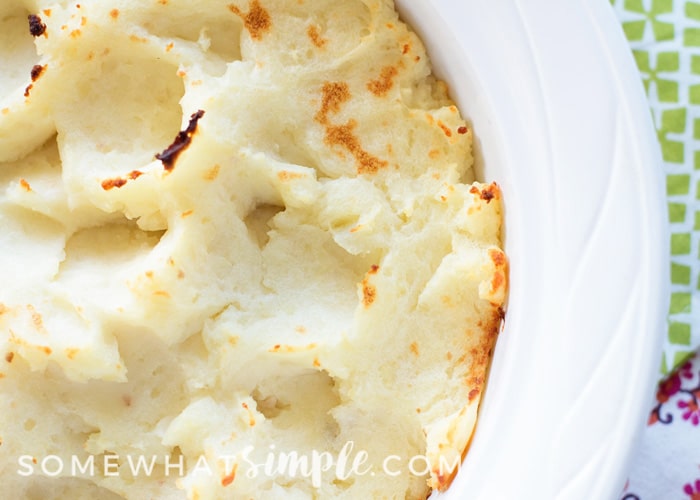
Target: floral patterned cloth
{"points": [[664, 36], [667, 465]]}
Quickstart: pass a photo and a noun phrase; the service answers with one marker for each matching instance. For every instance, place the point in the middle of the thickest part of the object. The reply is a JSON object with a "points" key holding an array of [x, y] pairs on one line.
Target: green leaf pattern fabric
{"points": [[664, 36]]}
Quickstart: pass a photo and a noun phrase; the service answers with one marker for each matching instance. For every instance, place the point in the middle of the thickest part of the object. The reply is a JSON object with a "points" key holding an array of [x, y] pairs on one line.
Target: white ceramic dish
{"points": [[562, 124]]}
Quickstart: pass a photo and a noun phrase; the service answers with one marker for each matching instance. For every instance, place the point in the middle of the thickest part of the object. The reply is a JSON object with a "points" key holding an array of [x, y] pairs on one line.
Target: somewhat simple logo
{"points": [[314, 464]]}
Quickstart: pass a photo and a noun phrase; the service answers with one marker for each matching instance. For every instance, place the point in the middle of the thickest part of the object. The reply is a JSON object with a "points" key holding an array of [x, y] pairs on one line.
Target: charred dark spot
{"points": [[36, 27], [462, 130], [182, 140], [487, 195], [37, 70], [501, 314]]}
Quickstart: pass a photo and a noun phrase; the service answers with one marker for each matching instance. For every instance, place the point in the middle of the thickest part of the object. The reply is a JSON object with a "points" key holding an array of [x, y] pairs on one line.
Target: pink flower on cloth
{"points": [[692, 412], [692, 492], [686, 369]]}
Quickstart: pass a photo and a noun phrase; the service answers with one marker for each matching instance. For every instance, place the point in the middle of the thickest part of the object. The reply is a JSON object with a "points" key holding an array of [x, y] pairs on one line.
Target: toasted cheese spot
{"points": [[114, 14], [476, 381], [369, 291], [71, 352], [118, 182], [169, 47], [228, 478], [212, 173], [316, 363], [37, 320], [36, 72], [292, 348], [25, 185], [445, 129], [284, 175], [5, 111], [497, 257], [406, 48], [447, 300], [414, 348], [334, 94], [75, 33], [137, 39], [343, 136], [497, 282], [381, 86], [162, 293], [488, 193], [257, 20], [186, 213], [315, 37], [369, 294], [47, 12], [251, 419], [9, 356]]}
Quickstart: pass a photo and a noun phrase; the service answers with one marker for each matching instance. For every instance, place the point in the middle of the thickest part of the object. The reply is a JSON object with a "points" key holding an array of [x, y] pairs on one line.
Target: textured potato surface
{"points": [[235, 235]]}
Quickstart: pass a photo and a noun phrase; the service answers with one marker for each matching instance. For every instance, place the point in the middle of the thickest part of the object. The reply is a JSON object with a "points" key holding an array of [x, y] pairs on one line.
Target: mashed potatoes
{"points": [[241, 253]]}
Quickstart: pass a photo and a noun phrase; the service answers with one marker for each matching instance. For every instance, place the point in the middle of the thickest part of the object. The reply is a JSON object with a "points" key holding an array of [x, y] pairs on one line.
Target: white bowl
{"points": [[562, 125]]}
